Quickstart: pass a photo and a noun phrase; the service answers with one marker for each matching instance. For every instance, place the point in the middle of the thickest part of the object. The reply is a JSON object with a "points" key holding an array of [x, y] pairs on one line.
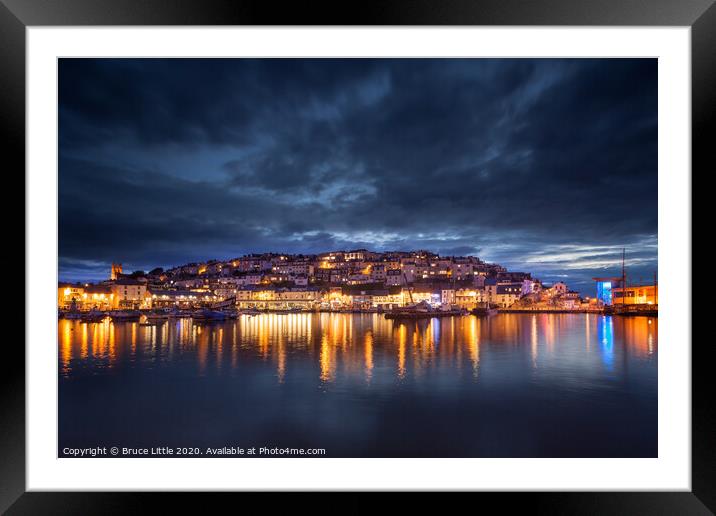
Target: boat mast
{"points": [[623, 276]]}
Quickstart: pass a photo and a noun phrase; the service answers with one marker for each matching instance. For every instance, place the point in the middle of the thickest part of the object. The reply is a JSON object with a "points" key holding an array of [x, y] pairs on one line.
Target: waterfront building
{"points": [[387, 299], [336, 299], [467, 298], [129, 293], [605, 287], [377, 298], [421, 293], [180, 298], [98, 297], [502, 294], [569, 300], [279, 299], [84, 296], [69, 295], [636, 295], [243, 294], [447, 297], [224, 292]]}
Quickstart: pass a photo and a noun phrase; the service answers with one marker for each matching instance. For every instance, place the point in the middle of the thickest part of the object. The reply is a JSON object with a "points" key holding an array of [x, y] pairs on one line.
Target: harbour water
{"points": [[358, 385]]}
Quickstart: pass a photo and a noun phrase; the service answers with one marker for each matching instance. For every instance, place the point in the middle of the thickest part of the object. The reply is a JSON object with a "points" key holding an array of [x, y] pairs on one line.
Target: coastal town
{"points": [[405, 283]]}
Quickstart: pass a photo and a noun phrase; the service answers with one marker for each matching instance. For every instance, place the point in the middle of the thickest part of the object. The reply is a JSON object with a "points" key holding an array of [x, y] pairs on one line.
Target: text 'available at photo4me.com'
{"points": [[169, 451]]}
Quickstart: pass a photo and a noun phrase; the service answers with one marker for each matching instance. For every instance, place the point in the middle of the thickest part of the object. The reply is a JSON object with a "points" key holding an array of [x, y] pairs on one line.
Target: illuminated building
{"points": [[605, 287], [502, 294], [129, 293], [467, 298], [278, 299], [158, 298], [636, 295], [116, 271], [356, 255], [84, 297]]}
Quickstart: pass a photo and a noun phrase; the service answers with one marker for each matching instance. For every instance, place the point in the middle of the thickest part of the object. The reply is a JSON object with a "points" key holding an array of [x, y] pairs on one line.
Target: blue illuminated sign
{"points": [[604, 292]]}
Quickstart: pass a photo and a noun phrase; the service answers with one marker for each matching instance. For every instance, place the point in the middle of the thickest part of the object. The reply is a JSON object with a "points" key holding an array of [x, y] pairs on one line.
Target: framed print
{"points": [[417, 250]]}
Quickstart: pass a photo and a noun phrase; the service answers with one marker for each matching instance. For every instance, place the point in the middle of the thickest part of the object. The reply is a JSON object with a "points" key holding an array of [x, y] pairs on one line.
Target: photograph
{"points": [[385, 257]]}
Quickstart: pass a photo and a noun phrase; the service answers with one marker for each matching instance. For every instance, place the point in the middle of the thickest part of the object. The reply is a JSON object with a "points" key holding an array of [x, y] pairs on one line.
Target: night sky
{"points": [[541, 165]]}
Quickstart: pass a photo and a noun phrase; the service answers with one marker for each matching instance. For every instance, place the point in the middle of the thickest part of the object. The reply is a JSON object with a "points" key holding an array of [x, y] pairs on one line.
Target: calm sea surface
{"points": [[358, 385]]}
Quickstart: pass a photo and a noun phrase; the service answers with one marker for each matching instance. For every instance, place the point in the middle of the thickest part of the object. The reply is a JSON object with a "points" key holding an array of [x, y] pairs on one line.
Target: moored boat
{"points": [[93, 316], [420, 310], [207, 315], [125, 315], [157, 315], [484, 311], [175, 313]]}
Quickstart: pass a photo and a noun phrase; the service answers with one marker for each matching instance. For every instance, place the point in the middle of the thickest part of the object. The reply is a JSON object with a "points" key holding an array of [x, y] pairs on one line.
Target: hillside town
{"points": [[357, 280]]}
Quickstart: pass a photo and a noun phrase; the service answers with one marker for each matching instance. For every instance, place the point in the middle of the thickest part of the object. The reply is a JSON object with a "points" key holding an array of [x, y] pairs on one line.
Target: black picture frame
{"points": [[700, 15]]}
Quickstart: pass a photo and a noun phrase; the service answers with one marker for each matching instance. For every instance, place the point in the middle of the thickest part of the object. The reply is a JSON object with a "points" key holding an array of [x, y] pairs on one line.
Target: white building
{"points": [[129, 293]]}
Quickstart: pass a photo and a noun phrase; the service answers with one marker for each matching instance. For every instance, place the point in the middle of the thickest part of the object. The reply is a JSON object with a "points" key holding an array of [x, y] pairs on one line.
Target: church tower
{"points": [[116, 271]]}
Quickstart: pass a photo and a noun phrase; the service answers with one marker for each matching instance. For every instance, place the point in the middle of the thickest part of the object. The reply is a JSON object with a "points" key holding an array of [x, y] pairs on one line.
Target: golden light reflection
{"points": [[219, 348], [402, 342], [265, 327], [473, 344], [235, 347], [368, 355], [326, 361], [550, 332], [640, 335], [134, 338], [65, 344], [202, 349], [534, 341], [83, 346], [112, 343], [588, 331], [349, 346], [281, 358]]}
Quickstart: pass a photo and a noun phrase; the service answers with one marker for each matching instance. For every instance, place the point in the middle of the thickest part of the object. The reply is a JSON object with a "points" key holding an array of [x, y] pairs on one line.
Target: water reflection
{"points": [[606, 339], [347, 346], [514, 385]]}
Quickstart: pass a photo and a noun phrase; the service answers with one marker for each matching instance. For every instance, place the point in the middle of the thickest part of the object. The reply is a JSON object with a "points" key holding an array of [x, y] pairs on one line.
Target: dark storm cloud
{"points": [[521, 161]]}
